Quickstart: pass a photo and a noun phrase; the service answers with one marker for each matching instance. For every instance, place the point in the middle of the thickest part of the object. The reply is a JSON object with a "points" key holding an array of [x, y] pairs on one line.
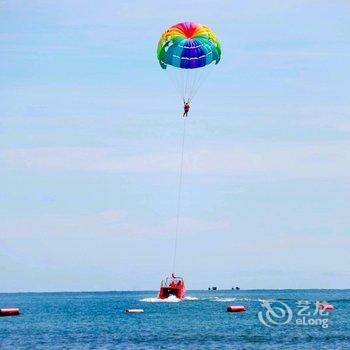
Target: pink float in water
{"points": [[236, 308], [326, 307], [9, 312]]}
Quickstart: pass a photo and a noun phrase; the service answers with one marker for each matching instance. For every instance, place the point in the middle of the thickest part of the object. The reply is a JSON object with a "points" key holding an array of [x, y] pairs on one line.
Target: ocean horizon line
{"points": [[156, 290]]}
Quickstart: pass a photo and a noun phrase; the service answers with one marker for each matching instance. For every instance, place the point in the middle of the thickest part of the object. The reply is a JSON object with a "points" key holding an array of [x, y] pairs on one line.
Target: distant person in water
{"points": [[186, 108]]}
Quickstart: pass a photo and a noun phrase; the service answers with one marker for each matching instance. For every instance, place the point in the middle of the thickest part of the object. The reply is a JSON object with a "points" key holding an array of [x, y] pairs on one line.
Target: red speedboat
{"points": [[172, 286]]}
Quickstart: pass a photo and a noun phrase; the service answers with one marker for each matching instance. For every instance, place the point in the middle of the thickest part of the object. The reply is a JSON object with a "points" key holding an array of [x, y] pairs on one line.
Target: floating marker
{"points": [[134, 311], [236, 308], [326, 307], [9, 312]]}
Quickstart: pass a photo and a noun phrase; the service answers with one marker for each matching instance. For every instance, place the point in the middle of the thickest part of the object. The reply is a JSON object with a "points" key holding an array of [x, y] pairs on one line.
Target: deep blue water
{"points": [[98, 321]]}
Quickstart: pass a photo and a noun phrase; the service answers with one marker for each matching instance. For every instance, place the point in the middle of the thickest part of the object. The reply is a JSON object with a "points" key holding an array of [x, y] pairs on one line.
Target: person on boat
{"points": [[186, 108]]}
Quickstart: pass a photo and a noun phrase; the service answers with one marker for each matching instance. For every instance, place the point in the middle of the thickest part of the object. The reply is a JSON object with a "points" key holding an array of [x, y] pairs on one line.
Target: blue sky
{"points": [[89, 138]]}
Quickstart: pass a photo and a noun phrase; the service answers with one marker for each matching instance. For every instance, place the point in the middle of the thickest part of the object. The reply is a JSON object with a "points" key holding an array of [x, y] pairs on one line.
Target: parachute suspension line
{"points": [[179, 82], [197, 76], [202, 77], [179, 193], [187, 82], [187, 86]]}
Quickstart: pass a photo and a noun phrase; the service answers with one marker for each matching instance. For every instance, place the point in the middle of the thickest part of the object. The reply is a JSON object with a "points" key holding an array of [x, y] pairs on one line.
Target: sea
{"points": [[274, 319]]}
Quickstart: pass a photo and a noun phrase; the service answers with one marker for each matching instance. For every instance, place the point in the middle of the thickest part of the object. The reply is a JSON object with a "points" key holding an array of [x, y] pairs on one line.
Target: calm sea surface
{"points": [[98, 321]]}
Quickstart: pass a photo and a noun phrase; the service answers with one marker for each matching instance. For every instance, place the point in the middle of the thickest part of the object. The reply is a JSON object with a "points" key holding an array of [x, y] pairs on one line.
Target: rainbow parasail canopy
{"points": [[188, 45]]}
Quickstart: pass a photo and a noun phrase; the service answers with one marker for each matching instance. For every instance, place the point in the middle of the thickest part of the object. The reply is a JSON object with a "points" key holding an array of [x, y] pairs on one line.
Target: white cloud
{"points": [[288, 159], [107, 223], [109, 12]]}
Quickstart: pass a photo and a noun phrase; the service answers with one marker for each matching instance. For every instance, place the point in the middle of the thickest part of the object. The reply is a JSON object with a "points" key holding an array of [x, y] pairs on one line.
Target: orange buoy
{"points": [[9, 312], [134, 311], [236, 308], [326, 307]]}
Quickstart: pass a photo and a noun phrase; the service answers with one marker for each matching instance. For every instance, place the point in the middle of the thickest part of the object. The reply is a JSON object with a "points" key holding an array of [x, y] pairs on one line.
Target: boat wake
{"points": [[173, 299], [170, 299], [190, 298], [221, 299], [218, 299]]}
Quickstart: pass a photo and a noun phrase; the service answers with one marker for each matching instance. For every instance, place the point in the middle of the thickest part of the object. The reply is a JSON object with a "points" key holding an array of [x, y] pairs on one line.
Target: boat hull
{"points": [[166, 292]]}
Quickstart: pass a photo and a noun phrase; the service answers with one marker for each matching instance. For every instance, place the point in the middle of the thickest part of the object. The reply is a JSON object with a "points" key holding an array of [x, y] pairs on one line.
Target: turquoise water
{"points": [[98, 321]]}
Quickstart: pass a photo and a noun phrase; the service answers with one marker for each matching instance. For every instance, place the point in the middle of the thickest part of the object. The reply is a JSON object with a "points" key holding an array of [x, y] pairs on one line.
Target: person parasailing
{"points": [[186, 49], [186, 108]]}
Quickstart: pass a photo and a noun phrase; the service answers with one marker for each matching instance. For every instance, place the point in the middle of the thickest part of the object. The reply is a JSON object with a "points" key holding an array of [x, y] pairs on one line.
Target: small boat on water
{"points": [[172, 286]]}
